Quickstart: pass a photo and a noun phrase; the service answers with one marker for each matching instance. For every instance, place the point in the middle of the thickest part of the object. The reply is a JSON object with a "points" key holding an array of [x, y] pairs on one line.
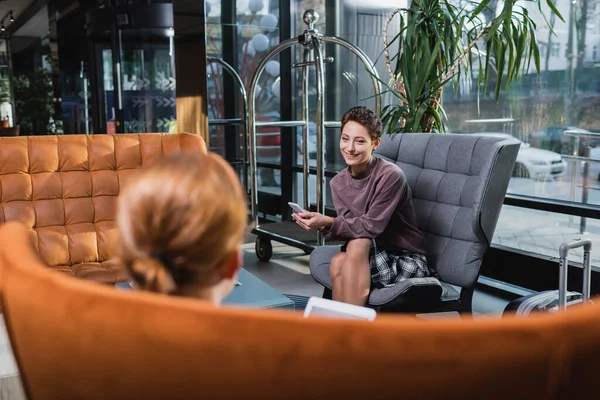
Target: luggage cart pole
{"points": [[243, 121], [320, 147], [305, 155], [252, 124]]}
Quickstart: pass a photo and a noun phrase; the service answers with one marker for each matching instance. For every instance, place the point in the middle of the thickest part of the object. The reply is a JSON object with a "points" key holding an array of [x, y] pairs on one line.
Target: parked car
{"points": [[534, 163]]}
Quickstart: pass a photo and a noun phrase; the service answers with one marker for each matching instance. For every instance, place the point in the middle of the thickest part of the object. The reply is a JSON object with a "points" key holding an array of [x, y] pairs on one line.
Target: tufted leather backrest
{"points": [[458, 184], [65, 187]]}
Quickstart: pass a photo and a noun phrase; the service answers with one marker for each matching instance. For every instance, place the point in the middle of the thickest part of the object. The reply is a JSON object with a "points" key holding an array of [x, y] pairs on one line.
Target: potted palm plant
{"points": [[439, 43]]}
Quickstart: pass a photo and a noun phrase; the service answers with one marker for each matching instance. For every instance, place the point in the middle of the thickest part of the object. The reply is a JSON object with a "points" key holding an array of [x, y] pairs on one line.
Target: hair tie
{"points": [[160, 256], [179, 275]]}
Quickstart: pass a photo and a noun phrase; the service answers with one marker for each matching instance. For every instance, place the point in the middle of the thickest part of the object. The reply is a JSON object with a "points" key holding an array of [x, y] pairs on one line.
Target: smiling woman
{"points": [[375, 216], [357, 146]]}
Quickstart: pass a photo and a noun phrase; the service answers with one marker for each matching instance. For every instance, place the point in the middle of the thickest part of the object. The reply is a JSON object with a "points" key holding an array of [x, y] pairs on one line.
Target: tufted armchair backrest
{"points": [[458, 184], [65, 187]]}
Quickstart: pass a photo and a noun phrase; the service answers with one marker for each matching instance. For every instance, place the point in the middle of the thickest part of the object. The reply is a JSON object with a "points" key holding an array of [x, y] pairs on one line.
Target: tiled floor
{"points": [[287, 272]]}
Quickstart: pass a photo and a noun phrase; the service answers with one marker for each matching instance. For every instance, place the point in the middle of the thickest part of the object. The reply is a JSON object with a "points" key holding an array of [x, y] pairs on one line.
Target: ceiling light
{"points": [[12, 19]]}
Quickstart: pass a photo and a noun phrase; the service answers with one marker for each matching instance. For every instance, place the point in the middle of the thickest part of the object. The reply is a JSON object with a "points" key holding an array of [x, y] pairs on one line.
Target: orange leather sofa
{"points": [[65, 187], [75, 340]]}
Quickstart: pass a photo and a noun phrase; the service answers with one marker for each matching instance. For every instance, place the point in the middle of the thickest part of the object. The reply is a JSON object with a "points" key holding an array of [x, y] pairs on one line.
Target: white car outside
{"points": [[535, 163]]}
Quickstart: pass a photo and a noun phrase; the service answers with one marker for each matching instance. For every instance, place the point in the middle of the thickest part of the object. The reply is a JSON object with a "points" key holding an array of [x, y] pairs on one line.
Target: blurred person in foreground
{"points": [[181, 223]]}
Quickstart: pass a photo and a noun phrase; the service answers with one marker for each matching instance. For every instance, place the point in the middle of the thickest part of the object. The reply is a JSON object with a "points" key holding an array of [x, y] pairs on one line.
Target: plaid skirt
{"points": [[389, 268]]}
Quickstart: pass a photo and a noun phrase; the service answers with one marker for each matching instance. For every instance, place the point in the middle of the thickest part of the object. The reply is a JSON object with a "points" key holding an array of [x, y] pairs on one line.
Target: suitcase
{"points": [[556, 300]]}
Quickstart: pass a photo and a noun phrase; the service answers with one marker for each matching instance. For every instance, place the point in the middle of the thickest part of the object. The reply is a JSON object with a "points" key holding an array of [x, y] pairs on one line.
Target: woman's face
{"points": [[356, 144]]}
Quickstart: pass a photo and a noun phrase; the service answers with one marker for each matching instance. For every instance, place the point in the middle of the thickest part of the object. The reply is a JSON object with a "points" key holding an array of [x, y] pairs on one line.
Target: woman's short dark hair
{"points": [[366, 117]]}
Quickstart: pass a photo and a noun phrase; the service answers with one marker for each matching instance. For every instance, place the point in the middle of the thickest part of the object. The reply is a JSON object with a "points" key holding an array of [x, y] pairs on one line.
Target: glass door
{"points": [[147, 82]]}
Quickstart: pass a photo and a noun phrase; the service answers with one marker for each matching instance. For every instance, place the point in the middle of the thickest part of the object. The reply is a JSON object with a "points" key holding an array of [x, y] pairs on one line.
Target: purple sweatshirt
{"points": [[376, 205]]}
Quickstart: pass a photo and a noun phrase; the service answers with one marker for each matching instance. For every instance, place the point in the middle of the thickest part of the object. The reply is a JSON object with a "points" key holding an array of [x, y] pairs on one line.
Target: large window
{"points": [[554, 113]]}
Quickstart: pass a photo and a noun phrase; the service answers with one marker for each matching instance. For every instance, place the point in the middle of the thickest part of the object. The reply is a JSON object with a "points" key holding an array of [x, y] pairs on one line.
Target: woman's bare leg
{"points": [[335, 272], [356, 273]]}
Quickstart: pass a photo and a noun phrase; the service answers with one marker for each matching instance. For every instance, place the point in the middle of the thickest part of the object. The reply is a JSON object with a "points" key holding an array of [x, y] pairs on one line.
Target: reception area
{"points": [[300, 200]]}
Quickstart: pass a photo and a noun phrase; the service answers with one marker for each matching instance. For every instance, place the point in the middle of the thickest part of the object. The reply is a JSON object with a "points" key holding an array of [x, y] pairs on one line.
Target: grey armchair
{"points": [[458, 184]]}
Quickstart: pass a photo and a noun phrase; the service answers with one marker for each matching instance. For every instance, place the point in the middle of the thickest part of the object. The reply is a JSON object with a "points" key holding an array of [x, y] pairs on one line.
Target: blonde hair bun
{"points": [[188, 206], [150, 274]]}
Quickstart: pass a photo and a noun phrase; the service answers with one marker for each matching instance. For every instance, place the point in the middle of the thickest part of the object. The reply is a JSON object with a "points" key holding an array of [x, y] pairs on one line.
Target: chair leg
{"points": [[327, 293], [466, 302]]}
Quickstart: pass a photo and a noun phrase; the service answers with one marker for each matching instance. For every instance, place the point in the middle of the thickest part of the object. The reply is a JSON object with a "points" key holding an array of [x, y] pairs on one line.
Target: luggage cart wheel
{"points": [[263, 249]]}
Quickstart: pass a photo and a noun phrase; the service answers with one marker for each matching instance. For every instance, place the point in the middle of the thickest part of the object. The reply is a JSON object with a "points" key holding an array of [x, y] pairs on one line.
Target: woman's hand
{"points": [[312, 220]]}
